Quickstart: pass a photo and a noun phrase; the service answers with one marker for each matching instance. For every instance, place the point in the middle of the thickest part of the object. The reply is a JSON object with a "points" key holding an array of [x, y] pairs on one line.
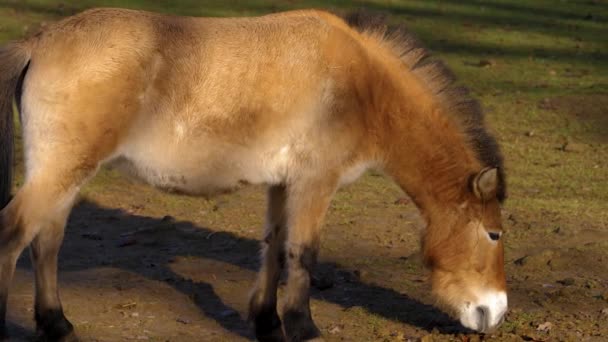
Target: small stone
{"points": [[361, 274], [402, 201], [530, 133], [128, 241], [167, 218], [92, 236], [521, 261], [486, 63], [183, 321], [566, 281], [573, 147], [228, 313]]}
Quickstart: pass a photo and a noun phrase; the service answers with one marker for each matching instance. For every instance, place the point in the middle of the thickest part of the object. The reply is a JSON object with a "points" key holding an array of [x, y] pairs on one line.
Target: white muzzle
{"points": [[486, 314]]}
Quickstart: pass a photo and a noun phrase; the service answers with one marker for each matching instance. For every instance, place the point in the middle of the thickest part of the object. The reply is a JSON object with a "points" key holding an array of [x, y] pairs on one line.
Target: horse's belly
{"points": [[204, 170]]}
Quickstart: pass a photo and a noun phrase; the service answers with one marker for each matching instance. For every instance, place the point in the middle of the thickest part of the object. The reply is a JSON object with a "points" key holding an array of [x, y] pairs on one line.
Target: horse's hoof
{"points": [[52, 326], [300, 327], [268, 328], [275, 336]]}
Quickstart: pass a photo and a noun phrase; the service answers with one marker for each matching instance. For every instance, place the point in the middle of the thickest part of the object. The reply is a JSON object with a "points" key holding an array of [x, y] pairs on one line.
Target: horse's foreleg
{"points": [[307, 204], [263, 301]]}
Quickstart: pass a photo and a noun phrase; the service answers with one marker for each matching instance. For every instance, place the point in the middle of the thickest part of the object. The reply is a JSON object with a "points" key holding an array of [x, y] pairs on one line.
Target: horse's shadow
{"points": [[168, 239]]}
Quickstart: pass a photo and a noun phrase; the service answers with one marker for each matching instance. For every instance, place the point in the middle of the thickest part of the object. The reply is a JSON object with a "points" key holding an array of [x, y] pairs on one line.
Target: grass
{"points": [[545, 83]]}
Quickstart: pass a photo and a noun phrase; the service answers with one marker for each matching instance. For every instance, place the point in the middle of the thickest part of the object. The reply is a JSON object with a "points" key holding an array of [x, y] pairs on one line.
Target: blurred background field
{"points": [[540, 69]]}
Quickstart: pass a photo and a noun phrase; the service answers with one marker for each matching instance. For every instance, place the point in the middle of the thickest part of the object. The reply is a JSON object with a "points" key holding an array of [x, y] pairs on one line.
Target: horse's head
{"points": [[463, 247]]}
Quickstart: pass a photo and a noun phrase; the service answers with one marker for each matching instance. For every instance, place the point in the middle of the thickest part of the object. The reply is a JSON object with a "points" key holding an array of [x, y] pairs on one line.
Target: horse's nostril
{"points": [[482, 318]]}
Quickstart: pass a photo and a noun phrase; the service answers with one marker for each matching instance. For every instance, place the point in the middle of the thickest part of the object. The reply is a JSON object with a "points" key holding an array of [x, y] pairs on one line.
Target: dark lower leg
{"points": [[50, 320], [297, 318], [263, 301]]}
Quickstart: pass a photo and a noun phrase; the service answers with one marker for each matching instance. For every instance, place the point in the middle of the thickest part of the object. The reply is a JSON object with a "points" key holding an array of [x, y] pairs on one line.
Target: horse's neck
{"points": [[428, 153]]}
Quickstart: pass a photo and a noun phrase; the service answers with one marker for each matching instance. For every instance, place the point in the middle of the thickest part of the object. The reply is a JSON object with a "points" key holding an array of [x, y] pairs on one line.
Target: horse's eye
{"points": [[494, 236]]}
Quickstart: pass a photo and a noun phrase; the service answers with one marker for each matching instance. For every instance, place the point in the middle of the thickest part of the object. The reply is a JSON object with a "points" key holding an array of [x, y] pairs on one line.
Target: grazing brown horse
{"points": [[301, 101]]}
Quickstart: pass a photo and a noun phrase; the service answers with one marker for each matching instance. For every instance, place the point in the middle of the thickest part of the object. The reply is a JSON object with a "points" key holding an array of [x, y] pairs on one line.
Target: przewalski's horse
{"points": [[301, 101]]}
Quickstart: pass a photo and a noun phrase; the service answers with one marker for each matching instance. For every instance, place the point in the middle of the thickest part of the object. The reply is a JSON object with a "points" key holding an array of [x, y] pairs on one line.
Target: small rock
{"points": [[361, 274], [566, 282], [574, 147], [128, 241], [537, 260], [530, 133], [604, 312], [183, 321], [521, 261], [228, 313], [402, 201], [167, 218], [92, 236], [486, 63], [545, 326], [135, 314]]}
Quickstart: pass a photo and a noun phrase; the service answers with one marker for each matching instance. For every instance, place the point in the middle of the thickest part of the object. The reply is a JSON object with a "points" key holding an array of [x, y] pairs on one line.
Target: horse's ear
{"points": [[485, 183]]}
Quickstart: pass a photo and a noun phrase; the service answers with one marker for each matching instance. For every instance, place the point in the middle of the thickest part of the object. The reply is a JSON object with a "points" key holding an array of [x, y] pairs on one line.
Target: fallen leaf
{"points": [[545, 326], [335, 330]]}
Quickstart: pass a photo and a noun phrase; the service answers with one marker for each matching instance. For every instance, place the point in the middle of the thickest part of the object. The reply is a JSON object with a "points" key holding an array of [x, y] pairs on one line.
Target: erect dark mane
{"points": [[456, 99]]}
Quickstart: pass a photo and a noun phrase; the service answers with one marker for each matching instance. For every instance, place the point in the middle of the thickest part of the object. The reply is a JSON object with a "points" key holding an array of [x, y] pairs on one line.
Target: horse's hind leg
{"points": [[263, 302], [58, 163], [36, 213], [44, 250]]}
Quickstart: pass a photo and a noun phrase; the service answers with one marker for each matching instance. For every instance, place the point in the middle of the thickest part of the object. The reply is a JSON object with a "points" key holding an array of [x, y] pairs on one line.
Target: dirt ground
{"points": [[131, 272]]}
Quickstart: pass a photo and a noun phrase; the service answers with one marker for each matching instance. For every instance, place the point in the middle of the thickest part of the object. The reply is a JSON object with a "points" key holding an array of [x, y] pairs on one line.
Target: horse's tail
{"points": [[14, 57]]}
